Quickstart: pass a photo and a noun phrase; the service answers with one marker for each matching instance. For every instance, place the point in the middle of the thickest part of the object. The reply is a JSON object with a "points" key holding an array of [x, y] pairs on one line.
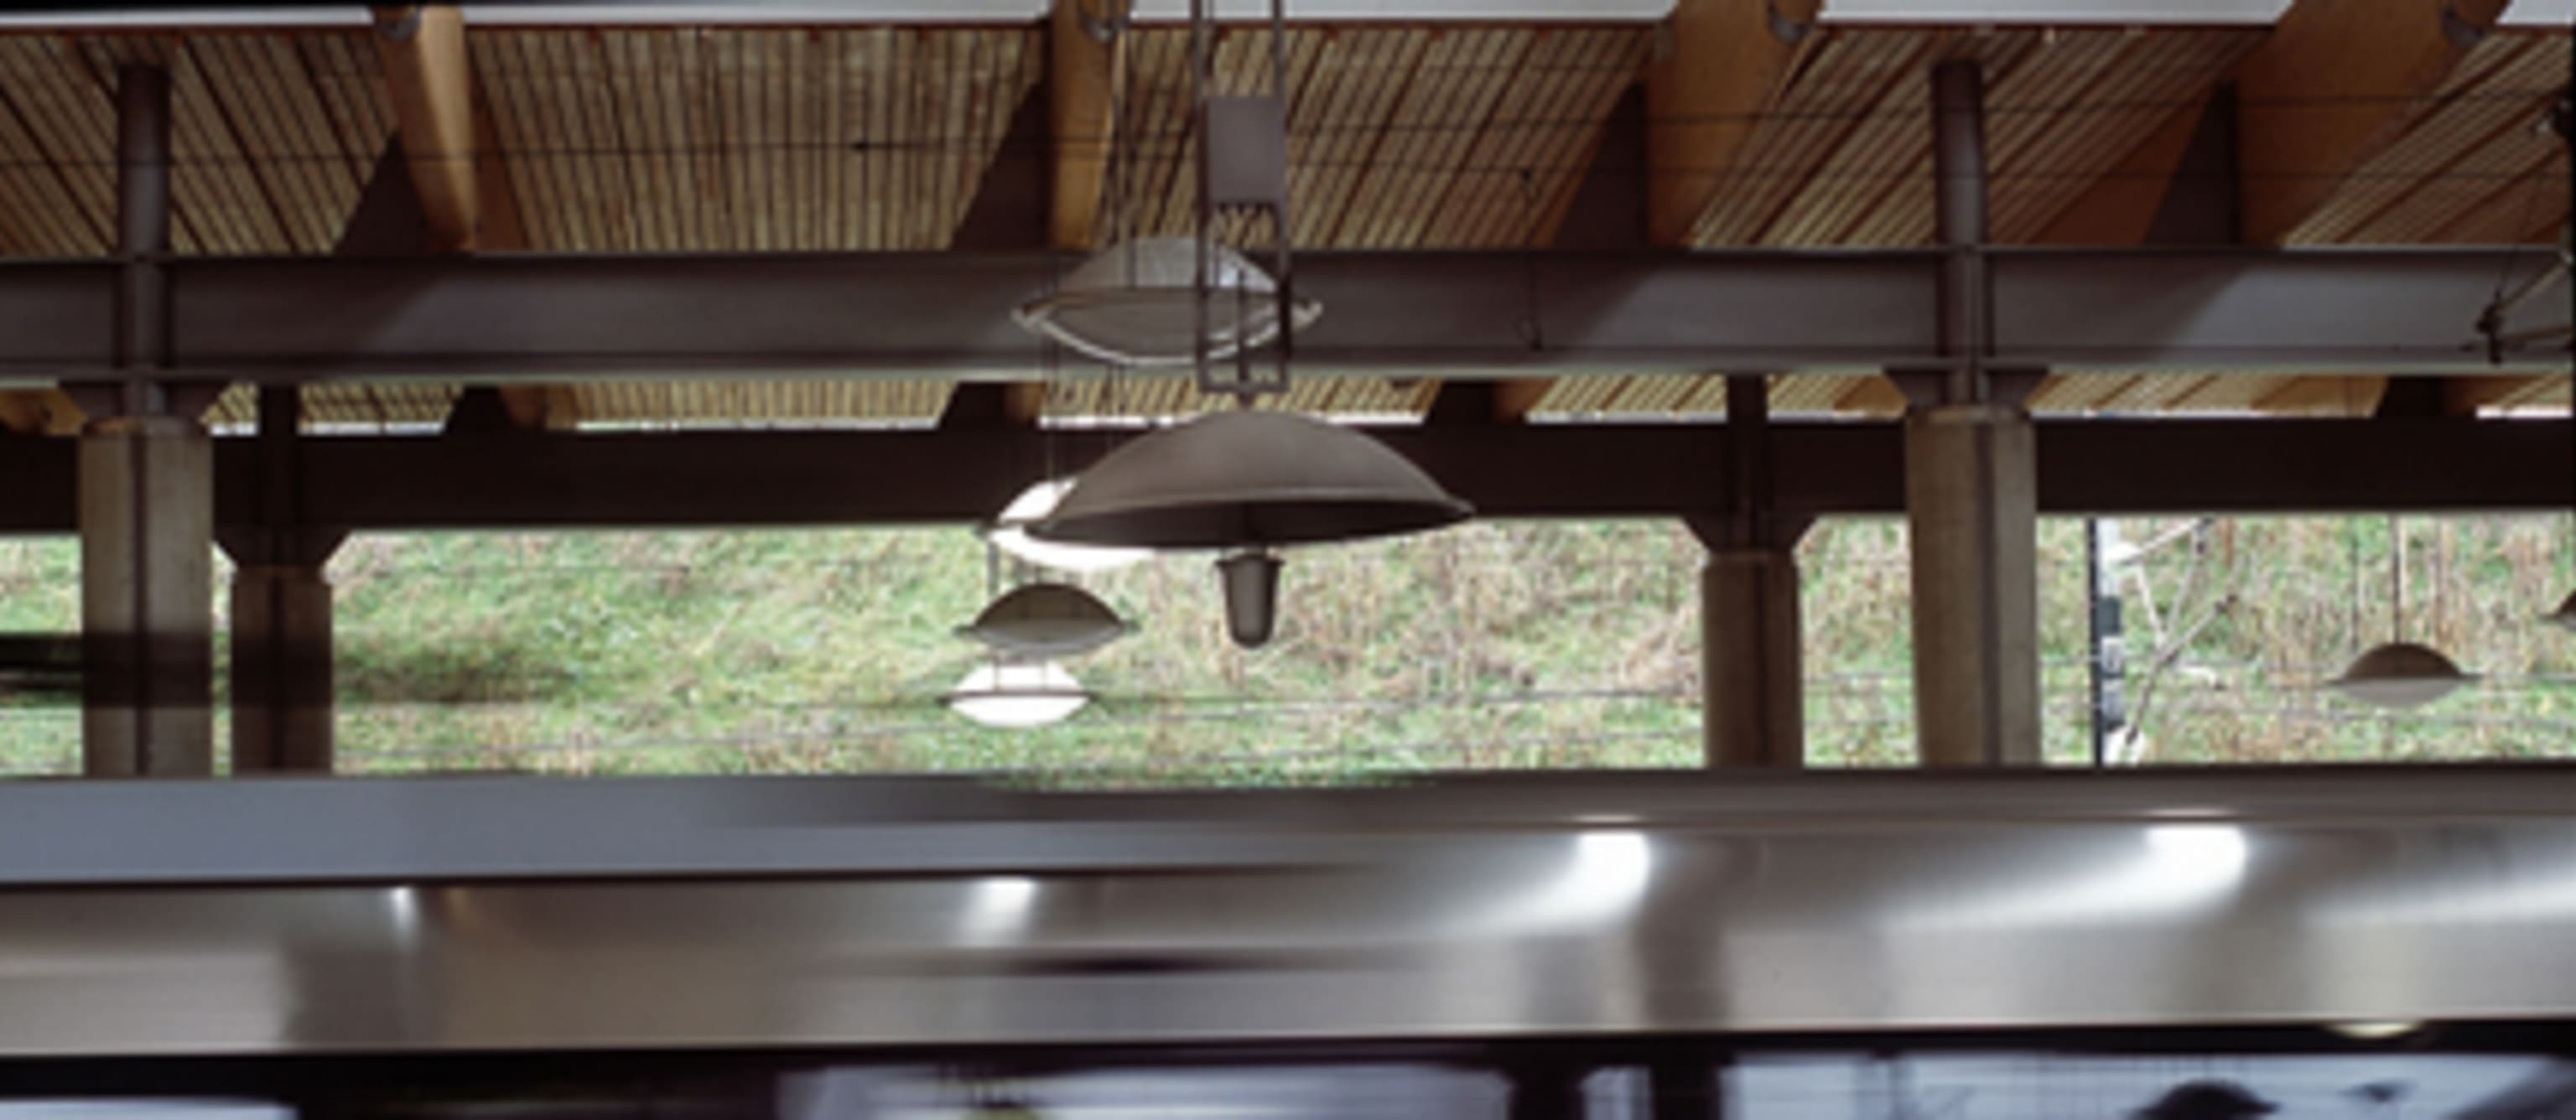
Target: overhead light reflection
{"points": [[1605, 880], [997, 909], [1010, 533], [2179, 867]]}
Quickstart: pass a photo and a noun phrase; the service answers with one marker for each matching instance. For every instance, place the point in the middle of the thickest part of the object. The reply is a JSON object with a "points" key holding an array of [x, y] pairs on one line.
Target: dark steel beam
{"points": [[513, 317], [526, 480]]}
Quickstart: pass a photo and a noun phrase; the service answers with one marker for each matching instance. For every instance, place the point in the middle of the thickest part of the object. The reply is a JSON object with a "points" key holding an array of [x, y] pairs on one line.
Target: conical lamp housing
{"points": [[1040, 621], [1132, 304], [1249, 479], [2400, 675]]}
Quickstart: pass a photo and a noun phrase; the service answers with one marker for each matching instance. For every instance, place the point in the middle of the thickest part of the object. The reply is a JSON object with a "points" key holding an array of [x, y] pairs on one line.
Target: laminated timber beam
{"points": [[1724, 62], [962, 474], [422, 49], [1082, 71], [2333, 84], [528, 319]]}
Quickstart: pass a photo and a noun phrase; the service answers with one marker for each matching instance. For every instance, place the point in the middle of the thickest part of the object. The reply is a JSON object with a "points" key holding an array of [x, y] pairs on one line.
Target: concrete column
{"points": [[1752, 687], [281, 671], [147, 601], [281, 609], [1971, 497], [1971, 503]]}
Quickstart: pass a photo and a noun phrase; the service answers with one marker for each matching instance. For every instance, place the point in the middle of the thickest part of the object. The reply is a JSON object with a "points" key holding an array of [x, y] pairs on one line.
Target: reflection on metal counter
{"points": [[718, 913]]}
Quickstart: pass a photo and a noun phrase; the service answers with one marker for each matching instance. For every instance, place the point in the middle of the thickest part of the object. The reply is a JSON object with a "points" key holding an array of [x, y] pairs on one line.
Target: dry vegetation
{"points": [[1497, 645]]}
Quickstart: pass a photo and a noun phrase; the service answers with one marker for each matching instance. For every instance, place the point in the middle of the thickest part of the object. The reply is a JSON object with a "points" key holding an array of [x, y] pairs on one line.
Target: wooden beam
{"points": [[39, 412], [2335, 82], [1082, 72], [422, 49], [2120, 207], [1725, 61]]}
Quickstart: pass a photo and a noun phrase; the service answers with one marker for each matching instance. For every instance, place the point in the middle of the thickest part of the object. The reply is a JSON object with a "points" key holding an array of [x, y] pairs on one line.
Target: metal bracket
{"points": [[1104, 31], [398, 25], [1783, 28], [2461, 33]]}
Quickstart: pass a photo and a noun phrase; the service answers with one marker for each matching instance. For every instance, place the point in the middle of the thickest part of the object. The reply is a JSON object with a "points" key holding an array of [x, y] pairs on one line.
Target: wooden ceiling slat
{"points": [[566, 138], [792, 186], [1883, 157], [1834, 89], [1620, 61], [2025, 155], [809, 145], [2431, 135], [911, 171], [203, 138], [350, 94], [1533, 140], [627, 102], [496, 79], [1351, 129], [69, 118], [1490, 179], [43, 211], [330, 182], [2181, 68], [2484, 148], [1436, 129], [286, 160], [621, 159]]}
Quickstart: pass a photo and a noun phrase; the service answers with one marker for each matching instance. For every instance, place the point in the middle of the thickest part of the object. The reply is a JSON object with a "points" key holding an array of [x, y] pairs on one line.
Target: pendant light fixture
{"points": [[1017, 694], [1010, 533], [1245, 483], [1138, 304], [2399, 673], [1045, 620]]}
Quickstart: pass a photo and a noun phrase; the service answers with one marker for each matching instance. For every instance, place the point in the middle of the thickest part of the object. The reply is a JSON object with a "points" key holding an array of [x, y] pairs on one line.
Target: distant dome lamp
{"points": [[1037, 621], [1017, 695], [1134, 304], [2400, 675]]}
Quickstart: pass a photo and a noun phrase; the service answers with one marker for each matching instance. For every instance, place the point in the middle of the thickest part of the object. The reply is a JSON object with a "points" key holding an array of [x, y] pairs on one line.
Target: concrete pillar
{"points": [[147, 600], [1971, 497], [281, 608], [281, 670], [1971, 503], [146, 497], [1752, 687]]}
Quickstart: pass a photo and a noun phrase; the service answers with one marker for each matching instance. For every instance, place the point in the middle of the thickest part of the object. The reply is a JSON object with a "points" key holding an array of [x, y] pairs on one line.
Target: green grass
{"points": [[1495, 645]]}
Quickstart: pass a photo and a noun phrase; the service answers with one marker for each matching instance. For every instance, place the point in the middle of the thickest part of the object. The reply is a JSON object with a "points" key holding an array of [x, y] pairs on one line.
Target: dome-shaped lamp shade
{"points": [[2400, 675], [1130, 304], [1011, 694], [1010, 533], [1248, 479], [2565, 616], [1042, 620]]}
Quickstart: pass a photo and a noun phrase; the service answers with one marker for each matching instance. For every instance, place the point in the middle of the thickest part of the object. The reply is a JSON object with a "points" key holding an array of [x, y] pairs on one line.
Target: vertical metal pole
{"points": [[1959, 198], [142, 214]]}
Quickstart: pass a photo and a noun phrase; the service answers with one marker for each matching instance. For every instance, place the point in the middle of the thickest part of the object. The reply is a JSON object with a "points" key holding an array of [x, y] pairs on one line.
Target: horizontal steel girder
{"points": [[1539, 470], [533, 317]]}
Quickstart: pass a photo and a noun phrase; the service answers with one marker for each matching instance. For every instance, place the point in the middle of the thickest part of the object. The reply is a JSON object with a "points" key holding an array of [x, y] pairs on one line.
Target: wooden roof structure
{"points": [[1704, 131]]}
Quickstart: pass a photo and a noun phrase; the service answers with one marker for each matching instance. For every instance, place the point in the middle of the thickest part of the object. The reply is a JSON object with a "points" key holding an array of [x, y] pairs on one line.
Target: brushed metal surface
{"points": [[856, 913]]}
